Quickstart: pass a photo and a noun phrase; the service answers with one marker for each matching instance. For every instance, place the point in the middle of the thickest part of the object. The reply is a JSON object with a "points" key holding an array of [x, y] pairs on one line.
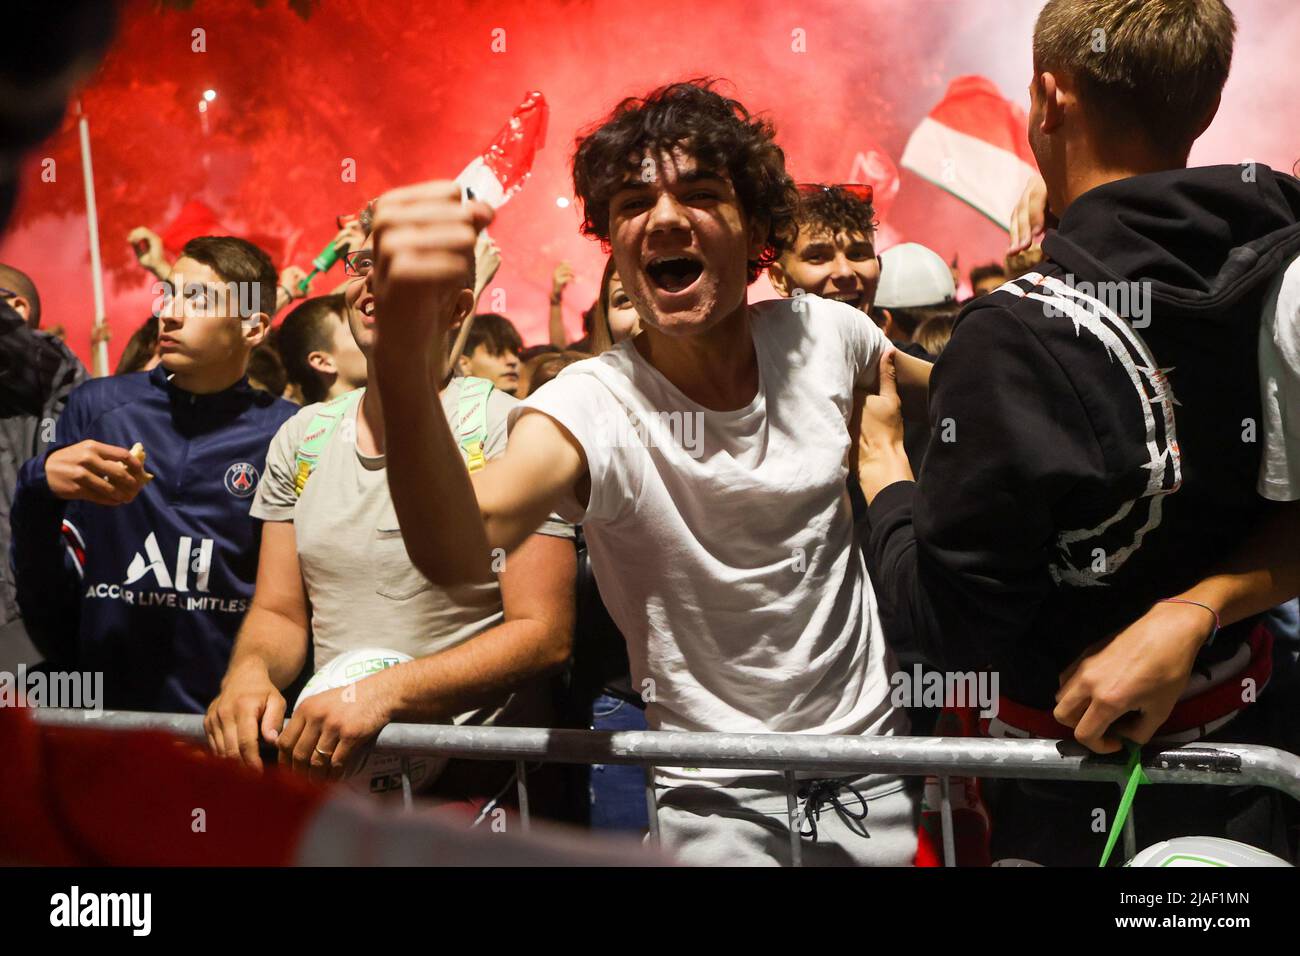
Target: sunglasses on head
{"points": [[860, 191]]}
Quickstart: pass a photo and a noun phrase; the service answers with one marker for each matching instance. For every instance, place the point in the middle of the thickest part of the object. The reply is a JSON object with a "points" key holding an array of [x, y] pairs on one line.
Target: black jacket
{"points": [[1081, 467], [37, 371]]}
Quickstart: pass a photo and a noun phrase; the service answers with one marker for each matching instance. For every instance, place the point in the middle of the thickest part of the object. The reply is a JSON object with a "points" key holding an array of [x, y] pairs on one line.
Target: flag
{"points": [[974, 146], [499, 172]]}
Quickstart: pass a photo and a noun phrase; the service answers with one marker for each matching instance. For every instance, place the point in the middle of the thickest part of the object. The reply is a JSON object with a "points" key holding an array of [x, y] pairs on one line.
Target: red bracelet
{"points": [[1196, 604]]}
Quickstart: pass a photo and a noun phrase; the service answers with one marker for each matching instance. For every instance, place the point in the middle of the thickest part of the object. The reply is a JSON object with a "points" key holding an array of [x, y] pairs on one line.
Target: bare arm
{"points": [[562, 276], [461, 520], [269, 652], [424, 238], [329, 731], [1263, 573], [555, 325], [534, 639], [1129, 686], [913, 385]]}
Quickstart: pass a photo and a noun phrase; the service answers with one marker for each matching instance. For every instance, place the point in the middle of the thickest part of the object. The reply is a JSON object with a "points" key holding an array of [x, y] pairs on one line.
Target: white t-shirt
{"points": [[1279, 381], [723, 542]]}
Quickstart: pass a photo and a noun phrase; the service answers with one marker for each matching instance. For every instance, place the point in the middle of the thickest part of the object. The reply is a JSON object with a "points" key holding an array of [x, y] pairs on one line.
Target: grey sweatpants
{"points": [[745, 824]]}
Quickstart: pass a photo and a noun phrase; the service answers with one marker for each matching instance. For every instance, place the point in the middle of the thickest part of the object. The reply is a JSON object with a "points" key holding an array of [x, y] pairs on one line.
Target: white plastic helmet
{"points": [[1204, 851], [379, 774]]}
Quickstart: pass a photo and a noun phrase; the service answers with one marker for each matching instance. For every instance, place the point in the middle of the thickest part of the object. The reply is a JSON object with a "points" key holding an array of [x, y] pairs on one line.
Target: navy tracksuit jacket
{"points": [[151, 593]]}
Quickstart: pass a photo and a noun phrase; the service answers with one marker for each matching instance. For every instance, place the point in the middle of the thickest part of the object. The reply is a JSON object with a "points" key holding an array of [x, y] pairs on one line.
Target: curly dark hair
{"points": [[833, 210], [717, 132]]}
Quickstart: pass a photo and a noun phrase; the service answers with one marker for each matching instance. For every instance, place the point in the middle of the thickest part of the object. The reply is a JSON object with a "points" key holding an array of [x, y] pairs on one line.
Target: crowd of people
{"points": [[1093, 499]]}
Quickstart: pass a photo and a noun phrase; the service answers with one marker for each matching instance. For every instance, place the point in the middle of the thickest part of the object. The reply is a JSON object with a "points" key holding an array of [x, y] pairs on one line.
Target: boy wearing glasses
{"points": [[141, 565], [334, 576]]}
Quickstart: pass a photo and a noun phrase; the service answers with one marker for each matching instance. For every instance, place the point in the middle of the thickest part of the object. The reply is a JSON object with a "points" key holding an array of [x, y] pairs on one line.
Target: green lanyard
{"points": [[1136, 777]]}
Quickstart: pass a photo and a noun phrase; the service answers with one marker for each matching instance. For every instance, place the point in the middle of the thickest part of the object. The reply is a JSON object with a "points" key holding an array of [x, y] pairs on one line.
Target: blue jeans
{"points": [[617, 791]]}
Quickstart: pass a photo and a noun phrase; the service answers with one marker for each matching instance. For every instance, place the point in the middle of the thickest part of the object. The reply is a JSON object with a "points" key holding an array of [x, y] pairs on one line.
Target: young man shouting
{"points": [[1098, 430], [706, 459], [164, 550]]}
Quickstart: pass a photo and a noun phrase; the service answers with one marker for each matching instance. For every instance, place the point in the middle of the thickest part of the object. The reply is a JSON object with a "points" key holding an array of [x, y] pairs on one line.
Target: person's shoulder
{"points": [[499, 403], [1004, 322], [275, 411], [778, 310], [99, 396], [804, 314], [293, 426], [57, 345]]}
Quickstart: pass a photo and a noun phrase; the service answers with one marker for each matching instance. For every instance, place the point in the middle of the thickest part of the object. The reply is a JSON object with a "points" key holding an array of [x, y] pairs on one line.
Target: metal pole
{"points": [[652, 804], [1130, 833], [408, 800], [521, 776], [945, 819], [1225, 765], [99, 353], [796, 849]]}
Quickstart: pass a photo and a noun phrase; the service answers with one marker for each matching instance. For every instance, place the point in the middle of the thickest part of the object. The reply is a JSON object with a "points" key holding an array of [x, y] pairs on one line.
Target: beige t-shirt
{"points": [[362, 587]]}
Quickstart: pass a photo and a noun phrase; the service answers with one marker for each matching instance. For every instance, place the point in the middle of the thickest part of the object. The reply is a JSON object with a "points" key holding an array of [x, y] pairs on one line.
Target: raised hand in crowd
{"points": [[1031, 217], [487, 260], [149, 253], [287, 289], [1029, 221], [560, 280]]}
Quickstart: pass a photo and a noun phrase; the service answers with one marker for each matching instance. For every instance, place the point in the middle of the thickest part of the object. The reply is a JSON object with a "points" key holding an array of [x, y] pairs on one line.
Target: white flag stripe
{"points": [[987, 177]]}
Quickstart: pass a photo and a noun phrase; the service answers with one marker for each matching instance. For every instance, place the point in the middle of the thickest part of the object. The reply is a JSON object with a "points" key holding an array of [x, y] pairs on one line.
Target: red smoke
{"points": [[403, 90]]}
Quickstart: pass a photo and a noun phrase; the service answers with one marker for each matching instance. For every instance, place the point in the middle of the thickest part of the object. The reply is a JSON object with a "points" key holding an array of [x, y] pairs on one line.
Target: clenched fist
{"points": [[424, 238]]}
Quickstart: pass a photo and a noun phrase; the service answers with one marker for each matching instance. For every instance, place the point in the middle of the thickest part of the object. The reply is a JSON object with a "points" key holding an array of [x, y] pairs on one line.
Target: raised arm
{"points": [[424, 238], [562, 276]]}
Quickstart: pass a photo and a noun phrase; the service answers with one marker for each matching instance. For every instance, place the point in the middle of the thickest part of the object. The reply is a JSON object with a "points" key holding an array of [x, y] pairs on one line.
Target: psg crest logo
{"points": [[241, 479]]}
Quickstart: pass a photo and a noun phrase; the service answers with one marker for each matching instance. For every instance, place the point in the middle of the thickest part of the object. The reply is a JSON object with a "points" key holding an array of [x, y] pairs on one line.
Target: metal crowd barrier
{"points": [[1230, 765]]}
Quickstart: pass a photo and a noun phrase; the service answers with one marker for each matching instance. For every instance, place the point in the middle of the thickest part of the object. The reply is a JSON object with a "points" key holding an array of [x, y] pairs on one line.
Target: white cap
{"points": [[912, 275]]}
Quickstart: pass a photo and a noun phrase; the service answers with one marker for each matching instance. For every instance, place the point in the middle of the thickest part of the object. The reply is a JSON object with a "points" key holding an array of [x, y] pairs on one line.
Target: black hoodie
{"points": [[1082, 466]]}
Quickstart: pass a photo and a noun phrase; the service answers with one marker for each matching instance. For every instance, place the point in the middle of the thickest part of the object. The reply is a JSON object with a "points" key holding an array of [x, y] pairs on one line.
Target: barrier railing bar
{"points": [[1203, 763]]}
